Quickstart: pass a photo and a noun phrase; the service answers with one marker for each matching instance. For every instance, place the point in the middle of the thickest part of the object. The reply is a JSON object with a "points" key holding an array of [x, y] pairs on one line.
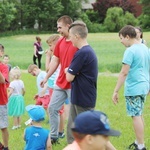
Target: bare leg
{"points": [[15, 121], [61, 125], [138, 125], [5, 136]]}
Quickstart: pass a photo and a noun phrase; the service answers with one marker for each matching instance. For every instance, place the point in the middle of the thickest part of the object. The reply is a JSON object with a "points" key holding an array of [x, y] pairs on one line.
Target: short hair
{"points": [[78, 136], [31, 67], [1, 47], [65, 19], [128, 30], [5, 56], [53, 38], [15, 73], [141, 36], [80, 28]]}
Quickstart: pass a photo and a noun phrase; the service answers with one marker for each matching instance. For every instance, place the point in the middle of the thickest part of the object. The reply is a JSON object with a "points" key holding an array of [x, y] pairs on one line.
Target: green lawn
{"points": [[107, 46], [116, 114]]}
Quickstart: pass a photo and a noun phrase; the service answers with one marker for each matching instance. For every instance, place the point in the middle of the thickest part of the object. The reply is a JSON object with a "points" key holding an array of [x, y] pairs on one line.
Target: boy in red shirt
{"points": [[3, 101]]}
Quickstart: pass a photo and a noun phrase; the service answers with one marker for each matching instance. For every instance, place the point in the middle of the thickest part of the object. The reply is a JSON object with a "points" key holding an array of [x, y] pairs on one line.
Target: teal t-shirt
{"points": [[138, 58]]}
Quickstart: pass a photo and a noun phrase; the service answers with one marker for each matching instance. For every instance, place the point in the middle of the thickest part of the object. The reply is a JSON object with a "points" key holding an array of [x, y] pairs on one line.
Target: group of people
{"points": [[71, 75]]}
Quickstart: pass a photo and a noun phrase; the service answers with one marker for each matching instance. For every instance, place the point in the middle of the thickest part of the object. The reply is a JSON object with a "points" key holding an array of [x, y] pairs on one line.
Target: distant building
{"points": [[88, 5]]}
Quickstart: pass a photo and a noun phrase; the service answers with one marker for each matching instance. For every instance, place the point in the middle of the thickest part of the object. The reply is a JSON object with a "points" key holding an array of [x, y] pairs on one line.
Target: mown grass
{"points": [[107, 46], [117, 114]]}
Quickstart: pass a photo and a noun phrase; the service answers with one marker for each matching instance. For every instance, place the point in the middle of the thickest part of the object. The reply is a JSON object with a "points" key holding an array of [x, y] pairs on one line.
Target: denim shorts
{"points": [[3, 117], [135, 105]]}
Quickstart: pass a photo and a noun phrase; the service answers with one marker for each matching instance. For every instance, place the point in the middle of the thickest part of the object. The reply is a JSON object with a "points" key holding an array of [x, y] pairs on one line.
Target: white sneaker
{"points": [[14, 127]]}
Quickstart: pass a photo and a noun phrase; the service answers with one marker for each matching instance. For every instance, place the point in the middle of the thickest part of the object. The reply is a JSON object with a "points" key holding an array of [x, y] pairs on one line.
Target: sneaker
{"points": [[54, 141], [133, 146], [141, 149], [61, 135], [14, 127]]}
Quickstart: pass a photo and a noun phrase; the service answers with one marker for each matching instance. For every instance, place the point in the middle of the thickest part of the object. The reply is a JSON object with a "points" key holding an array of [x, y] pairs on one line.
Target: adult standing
{"points": [[37, 55], [3, 101], [63, 54], [135, 74]]}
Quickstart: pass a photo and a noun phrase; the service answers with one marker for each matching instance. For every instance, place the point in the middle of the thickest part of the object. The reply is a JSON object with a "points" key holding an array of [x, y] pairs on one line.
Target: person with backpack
{"points": [[38, 51]]}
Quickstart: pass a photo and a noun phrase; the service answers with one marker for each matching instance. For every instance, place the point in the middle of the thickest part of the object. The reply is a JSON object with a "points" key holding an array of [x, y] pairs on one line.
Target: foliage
{"points": [[102, 6], [116, 19], [145, 16], [7, 15], [93, 16], [42, 11]]}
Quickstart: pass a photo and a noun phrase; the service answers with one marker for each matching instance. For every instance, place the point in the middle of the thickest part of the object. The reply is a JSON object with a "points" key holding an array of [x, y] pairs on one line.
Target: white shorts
{"points": [[3, 117]]}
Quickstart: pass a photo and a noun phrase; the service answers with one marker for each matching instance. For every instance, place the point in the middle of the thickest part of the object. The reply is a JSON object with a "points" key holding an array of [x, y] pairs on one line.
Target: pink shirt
{"points": [[73, 146]]}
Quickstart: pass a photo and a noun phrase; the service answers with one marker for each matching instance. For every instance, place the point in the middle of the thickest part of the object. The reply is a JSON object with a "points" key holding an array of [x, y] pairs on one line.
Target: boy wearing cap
{"points": [[135, 74], [3, 101], [91, 136], [35, 136]]}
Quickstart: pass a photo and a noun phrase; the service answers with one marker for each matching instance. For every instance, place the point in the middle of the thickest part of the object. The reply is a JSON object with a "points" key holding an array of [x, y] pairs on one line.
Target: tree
{"points": [[7, 15], [145, 16], [101, 6], [45, 12], [116, 19]]}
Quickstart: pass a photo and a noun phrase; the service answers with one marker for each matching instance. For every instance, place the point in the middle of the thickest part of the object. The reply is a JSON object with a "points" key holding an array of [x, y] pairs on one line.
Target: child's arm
{"points": [[43, 90], [49, 144], [10, 91], [49, 54], [23, 91]]}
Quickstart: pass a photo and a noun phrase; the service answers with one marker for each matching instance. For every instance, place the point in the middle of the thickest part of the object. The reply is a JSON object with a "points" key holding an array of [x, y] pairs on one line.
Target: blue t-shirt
{"points": [[85, 68], [138, 58], [36, 138]]}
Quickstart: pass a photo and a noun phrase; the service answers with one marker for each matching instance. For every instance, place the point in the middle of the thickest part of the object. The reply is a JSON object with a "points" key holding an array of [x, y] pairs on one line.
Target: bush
{"points": [[116, 19]]}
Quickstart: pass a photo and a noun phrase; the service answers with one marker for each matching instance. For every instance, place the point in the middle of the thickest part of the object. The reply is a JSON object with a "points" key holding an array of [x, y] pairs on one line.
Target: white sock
{"points": [[136, 142], [140, 146]]}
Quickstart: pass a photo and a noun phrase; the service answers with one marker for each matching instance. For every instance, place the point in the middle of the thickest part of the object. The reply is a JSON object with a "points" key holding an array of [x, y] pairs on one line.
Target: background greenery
{"points": [[21, 15], [109, 51]]}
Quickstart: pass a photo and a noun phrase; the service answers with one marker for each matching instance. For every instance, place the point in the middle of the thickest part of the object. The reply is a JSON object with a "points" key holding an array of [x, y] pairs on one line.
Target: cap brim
{"points": [[111, 132]]}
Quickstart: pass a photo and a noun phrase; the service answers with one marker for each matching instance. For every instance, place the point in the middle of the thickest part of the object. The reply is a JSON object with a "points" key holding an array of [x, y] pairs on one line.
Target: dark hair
{"points": [[79, 27], [65, 19], [38, 38], [5, 56], [1, 47], [141, 36], [128, 30]]}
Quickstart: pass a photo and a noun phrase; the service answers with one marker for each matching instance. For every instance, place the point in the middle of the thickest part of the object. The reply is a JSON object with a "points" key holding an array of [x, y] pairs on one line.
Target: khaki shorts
{"points": [[3, 117]]}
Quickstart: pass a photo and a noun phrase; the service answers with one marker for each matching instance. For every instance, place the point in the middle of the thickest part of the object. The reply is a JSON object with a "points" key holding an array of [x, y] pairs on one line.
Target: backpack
{"points": [[39, 48]]}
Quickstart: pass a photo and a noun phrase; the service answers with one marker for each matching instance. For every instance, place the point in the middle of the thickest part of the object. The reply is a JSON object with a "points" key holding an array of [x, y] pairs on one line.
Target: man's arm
{"points": [[121, 79]]}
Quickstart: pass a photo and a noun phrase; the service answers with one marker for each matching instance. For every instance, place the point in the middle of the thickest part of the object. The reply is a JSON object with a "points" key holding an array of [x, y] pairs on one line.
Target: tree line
{"points": [[108, 15]]}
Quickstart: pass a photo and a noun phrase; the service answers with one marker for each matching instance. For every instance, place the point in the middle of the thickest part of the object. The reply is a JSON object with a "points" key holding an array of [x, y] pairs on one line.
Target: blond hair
{"points": [[52, 38], [15, 73], [31, 67]]}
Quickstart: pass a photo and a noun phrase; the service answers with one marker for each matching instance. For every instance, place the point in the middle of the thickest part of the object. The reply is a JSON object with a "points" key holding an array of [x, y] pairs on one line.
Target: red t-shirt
{"points": [[65, 51], [3, 86]]}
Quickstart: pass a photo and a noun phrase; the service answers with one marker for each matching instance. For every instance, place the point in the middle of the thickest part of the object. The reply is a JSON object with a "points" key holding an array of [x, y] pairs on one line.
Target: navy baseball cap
{"points": [[93, 122], [36, 112]]}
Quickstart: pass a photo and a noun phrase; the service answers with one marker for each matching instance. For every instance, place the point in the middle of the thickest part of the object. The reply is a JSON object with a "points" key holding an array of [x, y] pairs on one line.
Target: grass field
{"points": [[107, 46], [109, 52]]}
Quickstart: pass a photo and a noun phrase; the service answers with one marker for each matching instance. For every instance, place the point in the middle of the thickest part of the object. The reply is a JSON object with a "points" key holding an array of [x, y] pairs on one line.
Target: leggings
{"points": [[39, 60]]}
